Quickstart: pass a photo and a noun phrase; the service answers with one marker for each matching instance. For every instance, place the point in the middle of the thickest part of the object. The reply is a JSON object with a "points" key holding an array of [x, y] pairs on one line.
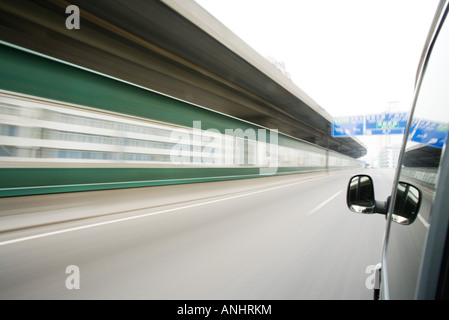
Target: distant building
{"points": [[389, 156]]}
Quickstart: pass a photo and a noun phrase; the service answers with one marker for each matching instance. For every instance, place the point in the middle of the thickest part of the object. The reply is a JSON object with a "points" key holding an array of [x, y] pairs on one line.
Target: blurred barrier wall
{"points": [[65, 129]]}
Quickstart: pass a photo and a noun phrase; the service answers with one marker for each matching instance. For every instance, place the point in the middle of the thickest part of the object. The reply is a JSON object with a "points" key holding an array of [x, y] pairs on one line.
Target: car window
{"points": [[420, 166]]}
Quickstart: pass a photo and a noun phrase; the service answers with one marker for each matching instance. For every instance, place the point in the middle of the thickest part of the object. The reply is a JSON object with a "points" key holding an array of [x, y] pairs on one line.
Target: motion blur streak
{"points": [[214, 244]]}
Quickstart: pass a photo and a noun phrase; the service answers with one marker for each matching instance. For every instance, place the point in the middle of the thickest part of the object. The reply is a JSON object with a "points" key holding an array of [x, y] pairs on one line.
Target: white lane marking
{"points": [[424, 222], [323, 204], [150, 214]]}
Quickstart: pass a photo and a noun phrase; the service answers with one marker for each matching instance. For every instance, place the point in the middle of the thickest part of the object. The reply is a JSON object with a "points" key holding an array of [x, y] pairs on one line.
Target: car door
{"points": [[414, 248]]}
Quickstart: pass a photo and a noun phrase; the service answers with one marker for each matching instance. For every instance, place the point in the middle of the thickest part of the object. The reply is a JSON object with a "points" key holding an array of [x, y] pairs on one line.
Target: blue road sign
{"points": [[429, 133], [374, 124], [348, 126], [386, 123], [385, 131]]}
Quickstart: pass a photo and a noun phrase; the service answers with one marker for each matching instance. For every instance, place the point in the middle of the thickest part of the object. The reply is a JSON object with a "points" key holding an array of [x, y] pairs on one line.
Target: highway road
{"points": [[287, 237]]}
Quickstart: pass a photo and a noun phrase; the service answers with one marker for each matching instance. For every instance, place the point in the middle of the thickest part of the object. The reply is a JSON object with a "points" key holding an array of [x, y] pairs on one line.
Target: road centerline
{"points": [[318, 207]]}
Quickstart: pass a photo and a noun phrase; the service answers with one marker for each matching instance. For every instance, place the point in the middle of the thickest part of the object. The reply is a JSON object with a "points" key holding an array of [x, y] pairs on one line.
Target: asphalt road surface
{"points": [[289, 237]]}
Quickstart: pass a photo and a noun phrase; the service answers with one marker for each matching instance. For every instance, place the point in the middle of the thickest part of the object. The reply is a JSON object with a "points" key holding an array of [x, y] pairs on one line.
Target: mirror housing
{"points": [[360, 195], [360, 198], [407, 204]]}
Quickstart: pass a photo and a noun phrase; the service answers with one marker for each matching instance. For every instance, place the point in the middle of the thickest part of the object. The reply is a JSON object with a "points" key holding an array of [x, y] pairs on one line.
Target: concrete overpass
{"points": [[174, 47]]}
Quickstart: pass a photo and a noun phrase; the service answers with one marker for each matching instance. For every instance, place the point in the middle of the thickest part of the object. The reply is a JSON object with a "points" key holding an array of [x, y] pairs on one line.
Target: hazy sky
{"points": [[352, 57]]}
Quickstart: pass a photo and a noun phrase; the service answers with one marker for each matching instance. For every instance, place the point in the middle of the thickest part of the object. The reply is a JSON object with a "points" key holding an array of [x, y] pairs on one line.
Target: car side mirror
{"points": [[360, 196], [407, 204]]}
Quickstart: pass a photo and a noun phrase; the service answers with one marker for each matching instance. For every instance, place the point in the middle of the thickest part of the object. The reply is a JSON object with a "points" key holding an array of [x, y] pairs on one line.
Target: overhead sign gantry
{"points": [[431, 133], [374, 124]]}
